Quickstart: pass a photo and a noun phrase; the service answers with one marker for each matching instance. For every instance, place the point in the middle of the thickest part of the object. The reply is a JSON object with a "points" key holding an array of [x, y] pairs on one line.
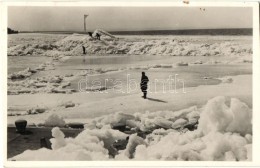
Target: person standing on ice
{"points": [[98, 36], [143, 84], [84, 52]]}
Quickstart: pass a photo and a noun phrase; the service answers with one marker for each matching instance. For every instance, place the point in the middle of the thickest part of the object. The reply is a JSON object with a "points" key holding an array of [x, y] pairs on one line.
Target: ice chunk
{"points": [[242, 118], [163, 123], [68, 104], [122, 117], [133, 142], [217, 116], [108, 136], [179, 123], [133, 124], [230, 156], [58, 141]]}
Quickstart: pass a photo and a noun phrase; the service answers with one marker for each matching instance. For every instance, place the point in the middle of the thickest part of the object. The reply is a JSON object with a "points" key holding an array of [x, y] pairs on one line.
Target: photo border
{"points": [[256, 87]]}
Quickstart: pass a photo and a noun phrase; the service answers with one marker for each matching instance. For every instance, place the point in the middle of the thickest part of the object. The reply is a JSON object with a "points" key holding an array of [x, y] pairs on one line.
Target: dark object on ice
{"points": [[143, 84], [17, 143], [119, 126], [69, 104], [191, 126], [84, 50], [90, 34], [76, 125], [112, 151], [31, 70], [118, 145], [98, 36], [142, 134], [139, 133], [44, 143], [20, 126]]}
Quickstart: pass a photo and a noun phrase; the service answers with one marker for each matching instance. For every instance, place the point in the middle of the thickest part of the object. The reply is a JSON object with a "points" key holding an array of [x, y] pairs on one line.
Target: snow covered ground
{"points": [[217, 96], [224, 132]]}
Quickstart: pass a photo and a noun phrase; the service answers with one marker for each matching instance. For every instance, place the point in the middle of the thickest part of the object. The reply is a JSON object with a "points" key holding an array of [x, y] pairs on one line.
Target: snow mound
{"points": [[218, 117], [193, 146], [54, 120]]}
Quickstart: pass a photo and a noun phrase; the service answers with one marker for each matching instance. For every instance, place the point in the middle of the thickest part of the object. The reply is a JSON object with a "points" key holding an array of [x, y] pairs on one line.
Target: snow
{"points": [[46, 84], [217, 116], [195, 146], [88, 145], [58, 141], [37, 110], [224, 124], [179, 123], [230, 52], [106, 105], [222, 134], [133, 142], [164, 123], [175, 46], [54, 120]]}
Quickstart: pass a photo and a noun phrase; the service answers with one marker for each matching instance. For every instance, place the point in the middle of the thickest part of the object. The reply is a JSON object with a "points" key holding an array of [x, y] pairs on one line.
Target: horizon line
{"points": [[132, 30]]}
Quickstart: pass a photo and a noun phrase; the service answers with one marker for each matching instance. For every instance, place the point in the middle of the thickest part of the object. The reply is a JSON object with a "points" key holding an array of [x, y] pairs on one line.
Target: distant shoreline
{"points": [[233, 31]]}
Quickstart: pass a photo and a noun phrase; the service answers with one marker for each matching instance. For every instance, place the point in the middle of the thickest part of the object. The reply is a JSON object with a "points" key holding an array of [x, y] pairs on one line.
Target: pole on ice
{"points": [[83, 47], [85, 16]]}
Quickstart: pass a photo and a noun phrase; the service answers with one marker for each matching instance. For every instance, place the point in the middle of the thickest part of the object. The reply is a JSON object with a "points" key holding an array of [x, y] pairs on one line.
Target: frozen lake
{"points": [[126, 68]]}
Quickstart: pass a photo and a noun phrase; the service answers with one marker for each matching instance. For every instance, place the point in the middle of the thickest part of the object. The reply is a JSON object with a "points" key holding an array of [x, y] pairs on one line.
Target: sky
{"points": [[127, 18]]}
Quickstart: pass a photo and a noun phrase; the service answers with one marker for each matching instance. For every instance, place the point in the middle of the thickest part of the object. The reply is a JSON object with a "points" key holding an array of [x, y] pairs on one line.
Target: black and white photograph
{"points": [[130, 83]]}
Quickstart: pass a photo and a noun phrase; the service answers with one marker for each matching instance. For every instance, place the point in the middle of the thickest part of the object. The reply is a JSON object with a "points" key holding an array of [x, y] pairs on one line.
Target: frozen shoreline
{"points": [[88, 105]]}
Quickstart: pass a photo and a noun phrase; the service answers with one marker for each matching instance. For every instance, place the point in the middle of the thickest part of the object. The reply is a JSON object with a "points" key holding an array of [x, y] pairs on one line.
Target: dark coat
{"points": [[84, 50], [144, 82]]}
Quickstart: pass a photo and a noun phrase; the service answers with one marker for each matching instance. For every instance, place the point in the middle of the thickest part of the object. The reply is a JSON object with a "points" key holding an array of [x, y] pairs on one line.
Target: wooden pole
{"points": [[84, 24], [85, 16]]}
